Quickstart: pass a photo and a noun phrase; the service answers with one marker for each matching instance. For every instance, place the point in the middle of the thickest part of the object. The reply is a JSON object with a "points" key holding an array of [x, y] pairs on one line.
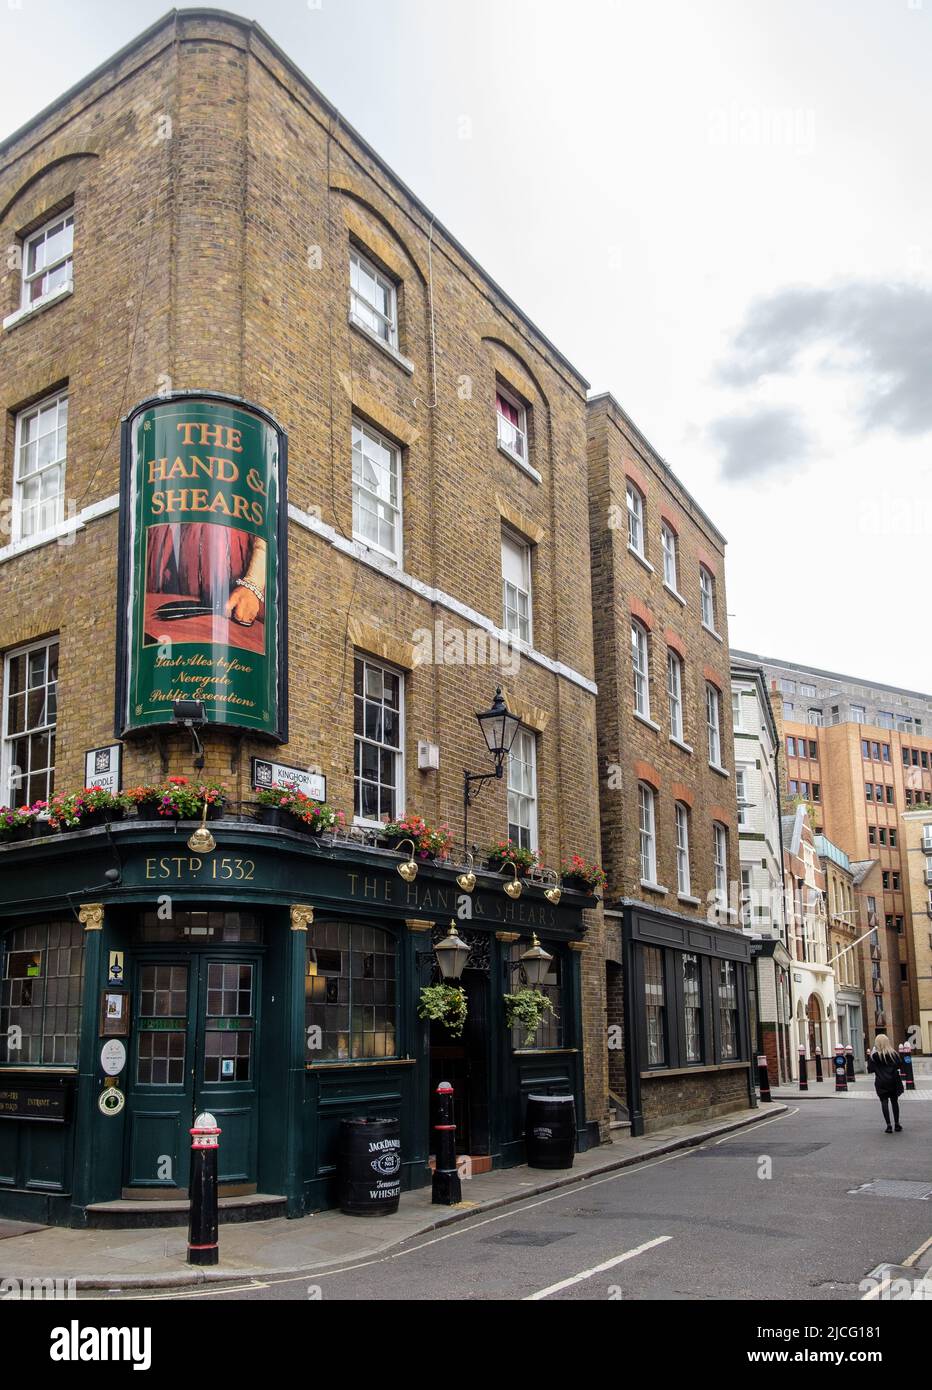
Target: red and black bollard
{"points": [[446, 1188], [818, 1065], [849, 1062], [763, 1078], [902, 1051], [841, 1069], [909, 1079], [203, 1244], [803, 1072]]}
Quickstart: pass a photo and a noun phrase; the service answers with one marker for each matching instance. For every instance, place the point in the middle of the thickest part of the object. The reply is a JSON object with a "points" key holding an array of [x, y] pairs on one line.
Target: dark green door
{"points": [[194, 1048]]}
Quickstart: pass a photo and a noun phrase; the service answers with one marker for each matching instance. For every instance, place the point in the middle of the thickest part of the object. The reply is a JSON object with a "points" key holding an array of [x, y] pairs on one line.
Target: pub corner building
{"points": [[198, 230]]}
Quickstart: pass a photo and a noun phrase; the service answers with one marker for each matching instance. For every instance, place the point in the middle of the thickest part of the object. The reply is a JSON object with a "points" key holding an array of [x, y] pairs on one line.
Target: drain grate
{"points": [[893, 1187], [526, 1237]]}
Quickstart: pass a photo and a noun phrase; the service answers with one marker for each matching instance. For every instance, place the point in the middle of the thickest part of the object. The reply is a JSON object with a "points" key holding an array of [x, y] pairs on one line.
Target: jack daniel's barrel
{"points": [[550, 1131], [370, 1167]]}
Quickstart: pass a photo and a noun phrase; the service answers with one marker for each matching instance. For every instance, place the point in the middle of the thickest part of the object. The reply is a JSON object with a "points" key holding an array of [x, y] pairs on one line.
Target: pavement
{"points": [[153, 1259]]}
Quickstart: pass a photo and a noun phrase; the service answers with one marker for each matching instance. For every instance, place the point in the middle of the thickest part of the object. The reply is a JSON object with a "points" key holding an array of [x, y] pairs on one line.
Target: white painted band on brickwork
{"points": [[408, 581], [67, 527]]}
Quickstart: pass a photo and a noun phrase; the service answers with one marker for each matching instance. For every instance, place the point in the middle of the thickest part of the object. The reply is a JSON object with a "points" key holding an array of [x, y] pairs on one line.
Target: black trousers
{"points": [[885, 1103]]}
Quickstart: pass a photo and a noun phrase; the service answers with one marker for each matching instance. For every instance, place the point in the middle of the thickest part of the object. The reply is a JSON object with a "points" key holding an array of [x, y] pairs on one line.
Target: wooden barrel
{"points": [[370, 1167], [550, 1131]]}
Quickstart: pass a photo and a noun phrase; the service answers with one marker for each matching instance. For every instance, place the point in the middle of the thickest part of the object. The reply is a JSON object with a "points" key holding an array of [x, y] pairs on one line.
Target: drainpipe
{"points": [[632, 1026]]}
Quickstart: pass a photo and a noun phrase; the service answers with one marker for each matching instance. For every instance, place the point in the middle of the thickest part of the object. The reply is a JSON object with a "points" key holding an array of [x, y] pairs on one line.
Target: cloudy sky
{"points": [[718, 209]]}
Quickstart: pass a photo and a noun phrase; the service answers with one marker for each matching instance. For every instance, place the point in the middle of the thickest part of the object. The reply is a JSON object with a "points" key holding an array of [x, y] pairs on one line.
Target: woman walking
{"points": [[884, 1065]]}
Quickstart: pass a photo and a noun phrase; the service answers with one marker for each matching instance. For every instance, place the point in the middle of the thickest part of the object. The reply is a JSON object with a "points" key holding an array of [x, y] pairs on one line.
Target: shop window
{"points": [[350, 992], [199, 927], [692, 1006], [378, 697], [41, 991], [728, 1009], [655, 1006], [30, 715], [550, 1033]]}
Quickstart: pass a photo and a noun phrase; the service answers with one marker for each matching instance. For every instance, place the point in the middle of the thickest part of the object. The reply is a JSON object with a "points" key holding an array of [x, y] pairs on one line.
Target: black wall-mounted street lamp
{"points": [[499, 727]]}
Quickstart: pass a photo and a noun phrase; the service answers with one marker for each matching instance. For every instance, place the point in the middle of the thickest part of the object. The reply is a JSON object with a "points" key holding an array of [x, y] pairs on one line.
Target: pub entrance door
{"points": [[464, 1062], [194, 1048]]}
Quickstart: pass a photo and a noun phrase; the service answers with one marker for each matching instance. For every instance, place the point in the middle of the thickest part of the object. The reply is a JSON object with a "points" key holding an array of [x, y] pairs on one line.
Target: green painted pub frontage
{"points": [[274, 982]]}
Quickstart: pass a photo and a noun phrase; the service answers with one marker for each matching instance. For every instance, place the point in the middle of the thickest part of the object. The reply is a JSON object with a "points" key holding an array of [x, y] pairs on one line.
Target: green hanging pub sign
{"points": [[203, 570]]}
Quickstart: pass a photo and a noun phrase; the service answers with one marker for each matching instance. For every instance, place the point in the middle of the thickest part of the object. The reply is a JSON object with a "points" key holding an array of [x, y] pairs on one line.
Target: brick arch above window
{"points": [[634, 475], [723, 815], [359, 193], [708, 562], [714, 678], [43, 166], [675, 643], [641, 612], [646, 772], [671, 522], [682, 793], [516, 373]]}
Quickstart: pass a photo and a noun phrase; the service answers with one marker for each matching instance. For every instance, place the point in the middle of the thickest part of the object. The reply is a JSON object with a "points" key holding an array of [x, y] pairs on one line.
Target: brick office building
{"points": [[860, 753], [677, 961], [198, 229]]}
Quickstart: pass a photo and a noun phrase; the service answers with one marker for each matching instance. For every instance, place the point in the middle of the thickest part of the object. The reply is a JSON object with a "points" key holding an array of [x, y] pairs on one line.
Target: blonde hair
{"points": [[884, 1047]]}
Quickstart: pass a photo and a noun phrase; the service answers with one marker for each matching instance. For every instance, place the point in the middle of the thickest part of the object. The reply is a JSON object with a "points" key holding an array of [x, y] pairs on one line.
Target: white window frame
{"points": [[647, 833], [6, 738], [524, 754], [58, 400], [513, 593], [640, 668], [741, 793], [512, 439], [382, 326], [713, 715], [634, 500], [64, 219], [397, 752], [383, 504], [675, 693], [707, 597], [683, 875], [858, 714], [720, 863], [668, 547]]}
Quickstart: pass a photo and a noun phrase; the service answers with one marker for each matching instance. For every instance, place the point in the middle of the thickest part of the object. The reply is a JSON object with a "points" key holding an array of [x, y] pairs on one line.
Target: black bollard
{"points": [[818, 1065], [203, 1244], [910, 1080], [446, 1188], [803, 1072], [841, 1070], [763, 1078], [849, 1062]]}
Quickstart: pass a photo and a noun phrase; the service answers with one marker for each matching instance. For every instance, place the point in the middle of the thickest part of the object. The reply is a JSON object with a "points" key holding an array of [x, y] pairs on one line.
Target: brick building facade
{"points": [[675, 951], [195, 217]]}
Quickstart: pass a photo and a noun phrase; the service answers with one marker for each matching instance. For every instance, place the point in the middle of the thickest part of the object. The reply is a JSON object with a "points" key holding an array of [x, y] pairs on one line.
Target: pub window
{"points": [[373, 299], [378, 697], [350, 993], [40, 451], [550, 1032], [40, 994], [511, 425], [728, 1009], [162, 1025], [522, 790], [47, 259], [692, 1004], [376, 491], [30, 713], [655, 1006]]}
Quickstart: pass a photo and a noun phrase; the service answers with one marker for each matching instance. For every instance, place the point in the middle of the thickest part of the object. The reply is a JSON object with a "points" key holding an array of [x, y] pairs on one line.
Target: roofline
{"points": [[250, 26], [834, 675], [607, 396], [759, 675]]}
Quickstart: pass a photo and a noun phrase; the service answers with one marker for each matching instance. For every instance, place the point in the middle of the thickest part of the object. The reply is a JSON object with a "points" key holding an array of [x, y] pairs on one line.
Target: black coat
{"points": [[886, 1074]]}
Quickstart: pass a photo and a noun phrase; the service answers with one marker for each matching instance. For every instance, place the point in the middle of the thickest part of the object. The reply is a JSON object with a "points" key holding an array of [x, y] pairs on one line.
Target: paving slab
{"points": [[119, 1259]]}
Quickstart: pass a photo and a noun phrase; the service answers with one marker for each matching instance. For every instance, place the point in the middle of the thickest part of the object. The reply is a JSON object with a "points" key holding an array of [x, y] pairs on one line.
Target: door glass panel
{"points": [[228, 1034], [161, 1025]]}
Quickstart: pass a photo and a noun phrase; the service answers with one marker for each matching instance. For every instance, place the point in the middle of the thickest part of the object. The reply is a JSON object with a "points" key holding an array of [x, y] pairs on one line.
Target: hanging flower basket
{"points": [[446, 1004], [581, 876], [527, 1009], [430, 842]]}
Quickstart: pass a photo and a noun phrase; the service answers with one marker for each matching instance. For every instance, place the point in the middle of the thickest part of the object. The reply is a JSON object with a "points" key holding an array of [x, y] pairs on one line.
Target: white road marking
{"points": [[598, 1269], [573, 1190]]}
